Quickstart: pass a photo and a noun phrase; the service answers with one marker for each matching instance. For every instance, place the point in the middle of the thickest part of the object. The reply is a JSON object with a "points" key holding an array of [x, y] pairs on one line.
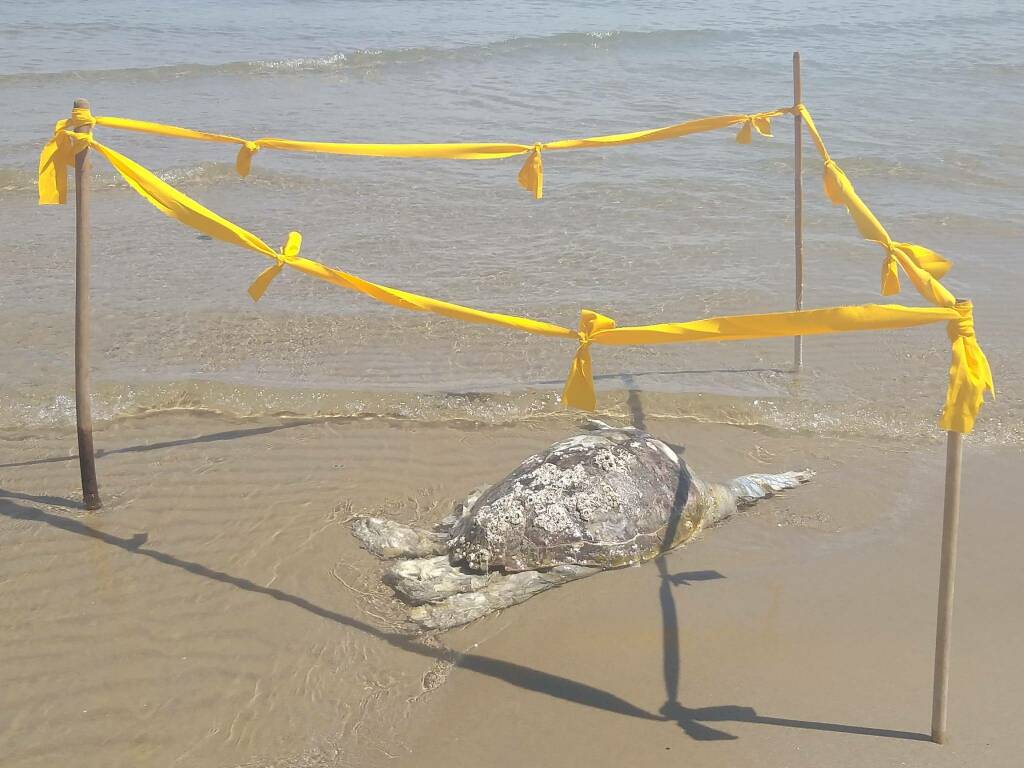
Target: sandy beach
{"points": [[218, 612]]}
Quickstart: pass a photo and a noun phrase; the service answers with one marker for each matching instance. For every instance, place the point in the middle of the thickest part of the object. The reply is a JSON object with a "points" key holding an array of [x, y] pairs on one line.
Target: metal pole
{"points": [[947, 575], [798, 208], [86, 454]]}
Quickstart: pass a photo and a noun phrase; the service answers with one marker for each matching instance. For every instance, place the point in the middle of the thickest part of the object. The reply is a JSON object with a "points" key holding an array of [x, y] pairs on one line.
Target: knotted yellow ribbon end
{"points": [[969, 374], [80, 116], [760, 123], [243, 162], [53, 173], [931, 262], [834, 183], [289, 251], [579, 385], [531, 175], [744, 135], [763, 125], [58, 154], [890, 276]]}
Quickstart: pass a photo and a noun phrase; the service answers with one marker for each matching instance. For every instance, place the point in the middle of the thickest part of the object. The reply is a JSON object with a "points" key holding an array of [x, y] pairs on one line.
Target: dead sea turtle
{"points": [[604, 499]]}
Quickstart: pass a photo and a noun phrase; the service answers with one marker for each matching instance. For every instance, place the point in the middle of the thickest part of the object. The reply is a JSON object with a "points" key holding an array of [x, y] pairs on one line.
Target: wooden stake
{"points": [[83, 408], [947, 576], [798, 208]]}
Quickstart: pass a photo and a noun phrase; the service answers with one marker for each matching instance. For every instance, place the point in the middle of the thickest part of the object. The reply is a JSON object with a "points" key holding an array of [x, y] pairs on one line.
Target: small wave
{"points": [[203, 172], [970, 225], [303, 64], [114, 401], [24, 181], [367, 58], [951, 167], [17, 180], [216, 172]]}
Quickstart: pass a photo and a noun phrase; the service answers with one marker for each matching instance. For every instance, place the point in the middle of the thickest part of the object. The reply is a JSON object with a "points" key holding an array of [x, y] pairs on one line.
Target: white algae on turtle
{"points": [[605, 499]]}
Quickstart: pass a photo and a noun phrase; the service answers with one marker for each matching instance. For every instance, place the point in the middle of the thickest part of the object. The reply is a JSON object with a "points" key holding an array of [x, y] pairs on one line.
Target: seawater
{"points": [[920, 102]]}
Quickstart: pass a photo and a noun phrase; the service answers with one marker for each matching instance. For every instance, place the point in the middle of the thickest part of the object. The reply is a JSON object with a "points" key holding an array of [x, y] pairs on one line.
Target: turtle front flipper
{"points": [[388, 539]]}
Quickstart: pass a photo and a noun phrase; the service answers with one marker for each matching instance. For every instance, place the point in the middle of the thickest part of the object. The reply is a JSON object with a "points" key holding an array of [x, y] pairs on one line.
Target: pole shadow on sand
{"points": [[693, 721], [527, 678], [213, 437], [515, 674]]}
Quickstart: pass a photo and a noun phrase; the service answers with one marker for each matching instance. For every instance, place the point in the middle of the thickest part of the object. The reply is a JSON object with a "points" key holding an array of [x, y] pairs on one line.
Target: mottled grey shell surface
{"points": [[603, 499]]}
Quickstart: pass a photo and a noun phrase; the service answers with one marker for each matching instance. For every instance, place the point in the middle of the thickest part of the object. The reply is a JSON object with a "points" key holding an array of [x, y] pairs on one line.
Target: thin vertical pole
{"points": [[947, 575], [798, 208], [83, 255]]}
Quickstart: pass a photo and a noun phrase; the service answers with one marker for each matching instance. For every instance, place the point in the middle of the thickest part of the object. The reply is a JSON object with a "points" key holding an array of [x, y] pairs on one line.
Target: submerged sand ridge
{"points": [[217, 612]]}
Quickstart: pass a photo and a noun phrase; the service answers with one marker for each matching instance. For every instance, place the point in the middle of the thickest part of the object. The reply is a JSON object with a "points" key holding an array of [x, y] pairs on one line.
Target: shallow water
{"points": [[920, 102]]}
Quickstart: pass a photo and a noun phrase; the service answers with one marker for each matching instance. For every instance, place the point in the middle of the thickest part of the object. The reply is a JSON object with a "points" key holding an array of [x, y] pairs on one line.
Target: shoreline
{"points": [[783, 408], [218, 612]]}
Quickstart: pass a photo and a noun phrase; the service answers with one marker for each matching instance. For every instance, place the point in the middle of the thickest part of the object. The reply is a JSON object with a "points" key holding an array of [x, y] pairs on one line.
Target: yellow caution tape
{"points": [[969, 374], [531, 176]]}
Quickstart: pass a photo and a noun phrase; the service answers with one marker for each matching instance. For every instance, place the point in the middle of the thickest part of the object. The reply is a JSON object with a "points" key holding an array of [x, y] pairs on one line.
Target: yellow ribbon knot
{"points": [[915, 259], [969, 373], [80, 116], [964, 326], [531, 175], [243, 162], [931, 262], [759, 122], [74, 141], [288, 252], [579, 385], [58, 155]]}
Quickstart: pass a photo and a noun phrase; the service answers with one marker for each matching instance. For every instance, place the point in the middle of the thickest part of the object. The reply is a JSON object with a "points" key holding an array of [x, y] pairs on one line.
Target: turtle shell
{"points": [[603, 499]]}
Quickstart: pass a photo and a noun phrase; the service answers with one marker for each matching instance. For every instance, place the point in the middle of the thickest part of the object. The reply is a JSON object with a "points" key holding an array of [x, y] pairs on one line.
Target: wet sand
{"points": [[217, 612]]}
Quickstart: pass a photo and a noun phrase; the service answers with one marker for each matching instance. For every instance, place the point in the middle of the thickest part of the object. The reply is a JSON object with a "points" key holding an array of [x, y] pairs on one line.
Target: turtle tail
{"points": [[748, 489]]}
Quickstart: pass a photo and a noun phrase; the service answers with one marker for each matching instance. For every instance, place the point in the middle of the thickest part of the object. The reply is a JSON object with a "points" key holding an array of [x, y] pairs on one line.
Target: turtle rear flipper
{"points": [[749, 489], [500, 591], [431, 579]]}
